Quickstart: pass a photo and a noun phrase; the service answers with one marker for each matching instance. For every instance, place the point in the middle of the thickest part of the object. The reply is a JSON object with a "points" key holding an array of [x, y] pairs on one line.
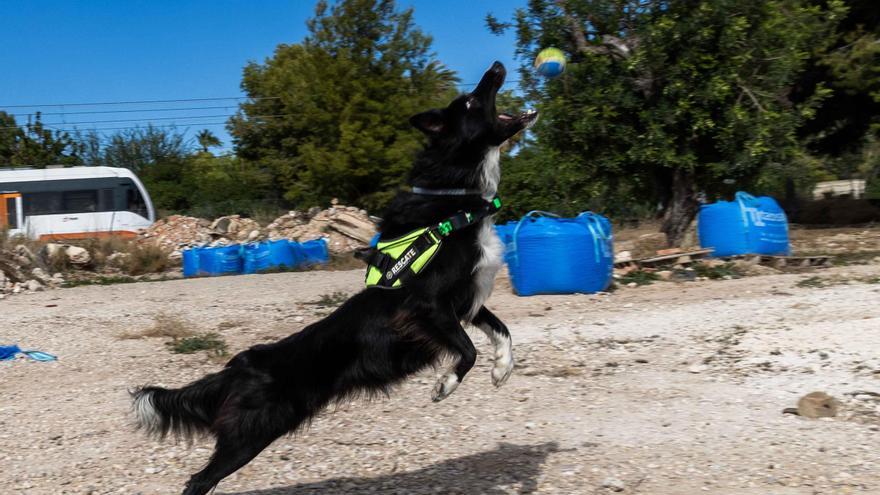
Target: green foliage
{"points": [[329, 115], [207, 139], [181, 180], [638, 277], [101, 280], [211, 342], [716, 272], [663, 100], [34, 145]]}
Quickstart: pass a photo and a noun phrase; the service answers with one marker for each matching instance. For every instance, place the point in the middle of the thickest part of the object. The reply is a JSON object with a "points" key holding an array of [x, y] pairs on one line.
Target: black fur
{"points": [[376, 339]]}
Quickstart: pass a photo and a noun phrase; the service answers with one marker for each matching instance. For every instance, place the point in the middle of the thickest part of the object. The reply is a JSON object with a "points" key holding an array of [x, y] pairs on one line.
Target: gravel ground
{"points": [[663, 389]]}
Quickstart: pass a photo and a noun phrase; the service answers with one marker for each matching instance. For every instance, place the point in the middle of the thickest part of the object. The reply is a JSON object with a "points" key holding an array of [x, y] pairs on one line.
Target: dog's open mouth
{"points": [[527, 118]]}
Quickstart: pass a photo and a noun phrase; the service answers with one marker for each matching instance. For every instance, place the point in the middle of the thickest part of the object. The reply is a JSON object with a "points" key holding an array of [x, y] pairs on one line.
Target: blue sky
{"points": [[86, 51]]}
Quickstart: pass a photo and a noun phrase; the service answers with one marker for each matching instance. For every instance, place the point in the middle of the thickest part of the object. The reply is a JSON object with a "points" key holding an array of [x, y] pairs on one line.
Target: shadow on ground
{"points": [[495, 472]]}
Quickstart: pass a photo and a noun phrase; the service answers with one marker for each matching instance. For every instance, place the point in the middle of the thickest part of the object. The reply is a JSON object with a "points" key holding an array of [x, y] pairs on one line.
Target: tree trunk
{"points": [[682, 207]]}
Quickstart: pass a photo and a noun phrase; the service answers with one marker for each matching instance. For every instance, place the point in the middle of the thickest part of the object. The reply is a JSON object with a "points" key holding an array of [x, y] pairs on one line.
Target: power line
{"points": [[178, 100], [139, 102], [160, 126], [28, 114], [112, 121]]}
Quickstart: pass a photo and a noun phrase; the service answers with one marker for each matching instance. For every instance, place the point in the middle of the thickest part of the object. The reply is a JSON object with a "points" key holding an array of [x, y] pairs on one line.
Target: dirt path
{"points": [[664, 389]]}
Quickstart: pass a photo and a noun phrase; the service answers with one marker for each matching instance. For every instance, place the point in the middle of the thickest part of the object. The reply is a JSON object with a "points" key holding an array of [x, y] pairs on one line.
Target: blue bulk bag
{"points": [[312, 252], [505, 231], [256, 257], [191, 262], [552, 255], [748, 225], [220, 260], [282, 254]]}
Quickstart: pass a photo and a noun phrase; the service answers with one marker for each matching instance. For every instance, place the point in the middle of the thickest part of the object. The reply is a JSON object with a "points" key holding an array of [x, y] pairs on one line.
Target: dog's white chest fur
{"points": [[490, 247], [487, 266]]}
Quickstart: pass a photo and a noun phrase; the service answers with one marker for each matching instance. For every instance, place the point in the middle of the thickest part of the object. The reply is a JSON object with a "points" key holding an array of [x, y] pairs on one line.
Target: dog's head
{"points": [[462, 136], [471, 119]]}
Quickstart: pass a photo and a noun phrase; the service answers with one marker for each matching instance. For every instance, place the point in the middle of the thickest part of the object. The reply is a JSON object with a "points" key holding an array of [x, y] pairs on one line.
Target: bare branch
{"points": [[751, 95]]}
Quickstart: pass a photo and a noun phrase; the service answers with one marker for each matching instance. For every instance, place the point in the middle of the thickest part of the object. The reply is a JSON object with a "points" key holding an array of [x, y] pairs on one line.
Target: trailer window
{"points": [[108, 201], [61, 202], [11, 214], [135, 202], [79, 201], [42, 203]]}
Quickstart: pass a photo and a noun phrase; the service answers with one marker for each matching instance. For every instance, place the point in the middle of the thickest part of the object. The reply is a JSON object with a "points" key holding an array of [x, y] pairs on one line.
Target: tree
{"points": [[329, 116], [35, 145], [207, 139], [664, 100], [137, 149], [178, 178]]}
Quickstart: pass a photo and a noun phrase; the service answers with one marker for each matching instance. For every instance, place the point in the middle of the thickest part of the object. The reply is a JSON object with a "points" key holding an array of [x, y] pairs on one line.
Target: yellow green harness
{"points": [[393, 262]]}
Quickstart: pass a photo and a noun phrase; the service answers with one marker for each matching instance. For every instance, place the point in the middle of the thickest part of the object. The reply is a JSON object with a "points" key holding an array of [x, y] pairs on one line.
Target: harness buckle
{"points": [[444, 227]]}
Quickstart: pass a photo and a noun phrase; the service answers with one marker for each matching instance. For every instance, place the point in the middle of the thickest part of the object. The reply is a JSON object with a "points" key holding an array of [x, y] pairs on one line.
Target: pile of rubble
{"points": [[346, 229], [23, 271], [178, 230]]}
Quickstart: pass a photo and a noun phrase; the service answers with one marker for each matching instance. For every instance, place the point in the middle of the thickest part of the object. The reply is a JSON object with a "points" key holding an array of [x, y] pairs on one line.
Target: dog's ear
{"points": [[431, 122]]}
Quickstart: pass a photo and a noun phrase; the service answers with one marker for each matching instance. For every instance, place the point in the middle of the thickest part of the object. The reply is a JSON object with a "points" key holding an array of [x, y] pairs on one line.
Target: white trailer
{"points": [[73, 203]]}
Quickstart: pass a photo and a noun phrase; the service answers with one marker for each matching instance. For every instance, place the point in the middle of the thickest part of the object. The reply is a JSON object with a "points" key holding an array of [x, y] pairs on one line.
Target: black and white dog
{"points": [[379, 337]]}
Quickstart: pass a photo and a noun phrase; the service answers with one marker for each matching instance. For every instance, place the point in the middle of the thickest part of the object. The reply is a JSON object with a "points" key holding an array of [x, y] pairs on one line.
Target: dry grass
{"points": [[146, 258], [165, 326], [57, 262]]}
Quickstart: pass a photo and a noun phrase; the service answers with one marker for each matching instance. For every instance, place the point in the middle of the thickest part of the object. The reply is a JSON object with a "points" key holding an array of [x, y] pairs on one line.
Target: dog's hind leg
{"points": [[232, 451], [454, 340], [497, 332]]}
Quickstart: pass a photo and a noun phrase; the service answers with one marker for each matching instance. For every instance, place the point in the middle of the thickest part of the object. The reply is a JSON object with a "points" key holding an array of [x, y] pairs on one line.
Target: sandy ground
{"points": [[663, 389]]}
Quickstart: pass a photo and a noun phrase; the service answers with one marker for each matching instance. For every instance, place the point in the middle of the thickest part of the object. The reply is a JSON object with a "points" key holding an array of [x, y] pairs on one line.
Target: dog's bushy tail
{"points": [[182, 412]]}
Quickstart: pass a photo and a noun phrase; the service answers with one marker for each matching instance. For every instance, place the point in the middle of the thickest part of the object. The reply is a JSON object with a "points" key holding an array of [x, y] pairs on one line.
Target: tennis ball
{"points": [[550, 62]]}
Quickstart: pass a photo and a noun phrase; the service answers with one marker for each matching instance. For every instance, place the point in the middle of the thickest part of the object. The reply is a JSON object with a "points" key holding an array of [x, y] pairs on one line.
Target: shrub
{"points": [[164, 325], [716, 272], [211, 342], [146, 258], [638, 277]]}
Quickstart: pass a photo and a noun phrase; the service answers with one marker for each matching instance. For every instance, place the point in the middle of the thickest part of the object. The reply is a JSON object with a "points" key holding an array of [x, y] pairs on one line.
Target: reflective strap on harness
{"points": [[393, 262], [399, 268]]}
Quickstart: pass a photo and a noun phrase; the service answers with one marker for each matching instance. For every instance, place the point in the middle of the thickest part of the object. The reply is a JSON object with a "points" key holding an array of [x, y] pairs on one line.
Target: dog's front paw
{"points": [[502, 369], [445, 386]]}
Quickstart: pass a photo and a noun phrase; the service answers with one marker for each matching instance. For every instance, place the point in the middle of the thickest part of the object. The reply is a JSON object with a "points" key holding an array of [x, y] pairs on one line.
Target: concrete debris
{"points": [[623, 257], [346, 229], [41, 275], [236, 228], [77, 255], [178, 230], [33, 286], [26, 257]]}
